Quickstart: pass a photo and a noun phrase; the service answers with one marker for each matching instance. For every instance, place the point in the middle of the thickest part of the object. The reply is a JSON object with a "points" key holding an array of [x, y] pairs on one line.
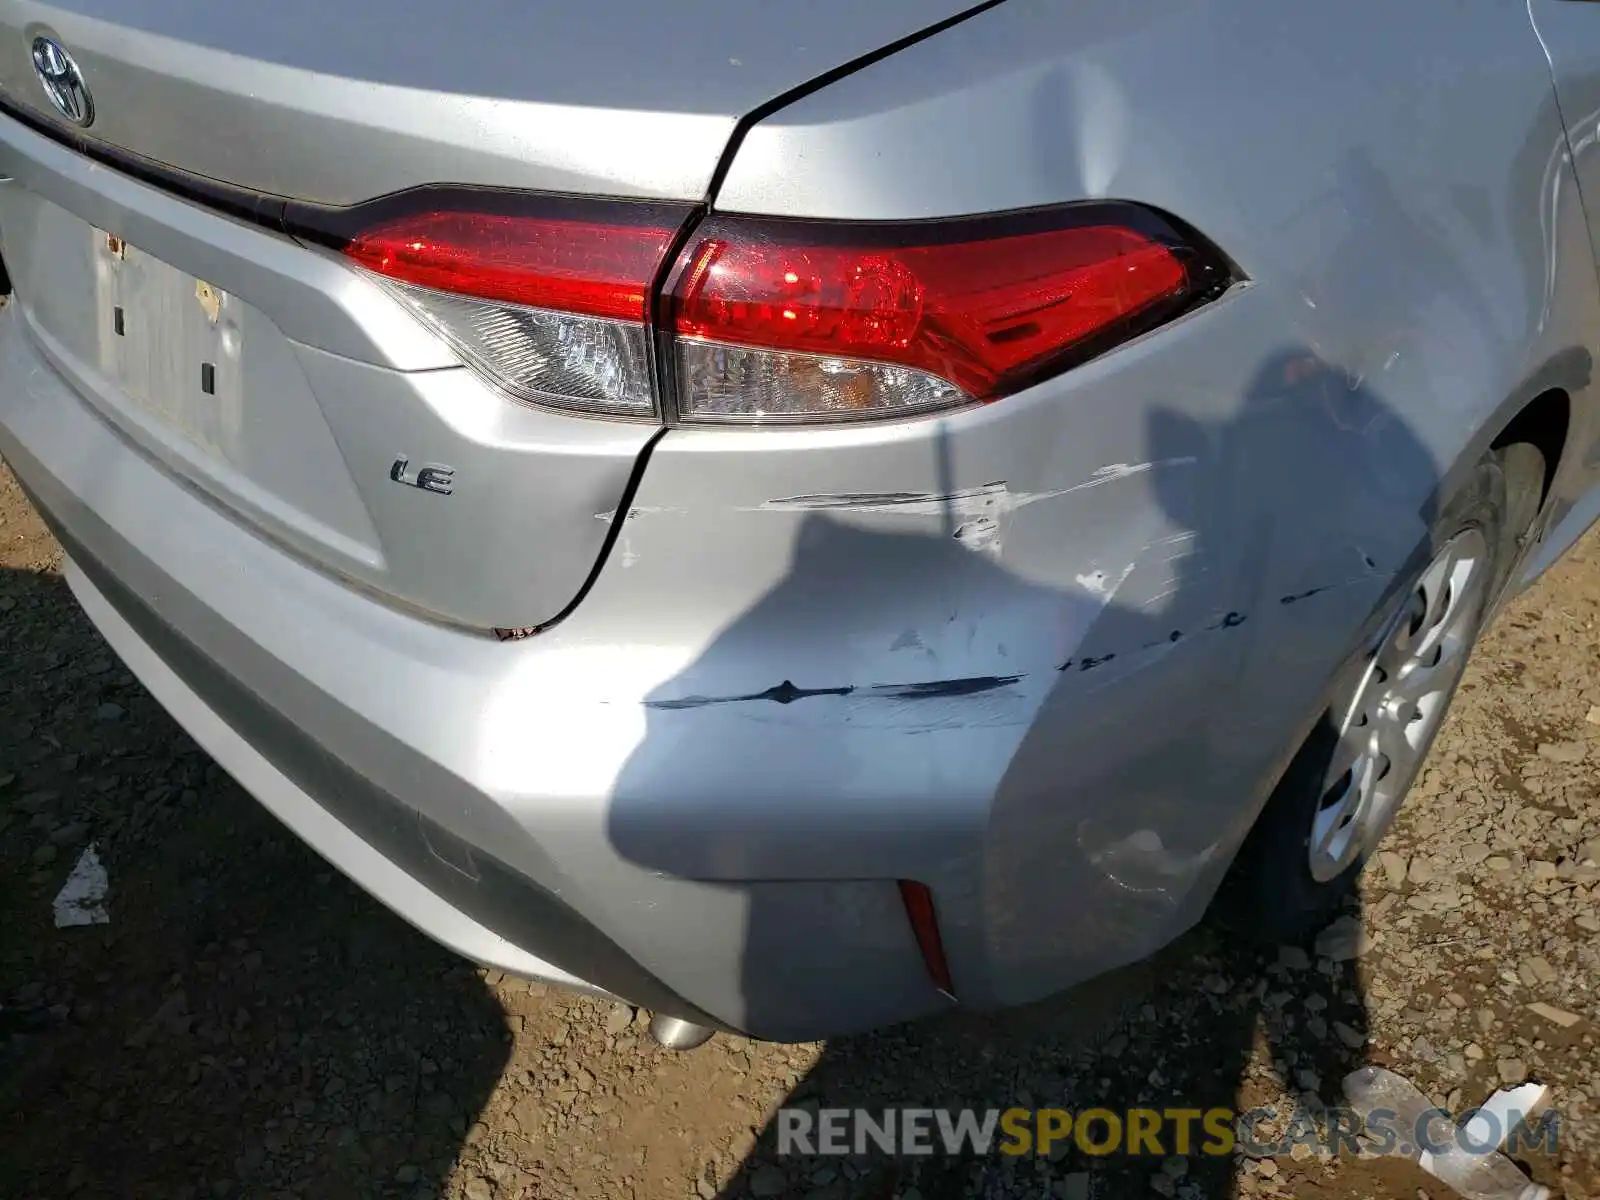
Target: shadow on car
{"points": [[1209, 1002]]}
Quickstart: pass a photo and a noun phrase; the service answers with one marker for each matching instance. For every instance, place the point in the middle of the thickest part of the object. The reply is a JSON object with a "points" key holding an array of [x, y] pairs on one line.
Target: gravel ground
{"points": [[250, 1025]]}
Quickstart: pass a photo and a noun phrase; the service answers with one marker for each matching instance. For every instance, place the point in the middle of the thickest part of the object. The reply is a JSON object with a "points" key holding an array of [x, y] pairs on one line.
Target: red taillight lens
{"points": [[969, 309], [589, 268], [547, 296], [771, 320]]}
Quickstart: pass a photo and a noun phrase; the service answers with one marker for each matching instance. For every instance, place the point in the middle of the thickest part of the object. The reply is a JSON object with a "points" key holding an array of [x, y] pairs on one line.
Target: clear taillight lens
{"points": [[718, 380], [807, 320], [770, 320], [543, 356], [546, 296]]}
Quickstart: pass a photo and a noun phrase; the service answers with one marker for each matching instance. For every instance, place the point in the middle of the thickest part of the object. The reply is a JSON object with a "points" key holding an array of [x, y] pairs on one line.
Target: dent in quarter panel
{"points": [[1408, 229], [1405, 208]]}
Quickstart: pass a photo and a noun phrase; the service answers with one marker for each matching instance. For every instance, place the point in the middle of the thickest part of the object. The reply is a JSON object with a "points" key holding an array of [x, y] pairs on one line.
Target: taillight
{"points": [[547, 296], [815, 320], [773, 320]]}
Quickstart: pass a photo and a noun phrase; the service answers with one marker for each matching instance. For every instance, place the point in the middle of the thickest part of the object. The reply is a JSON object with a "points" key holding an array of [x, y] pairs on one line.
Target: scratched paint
{"points": [[988, 500], [643, 510], [1099, 582], [787, 693], [980, 533], [1089, 662]]}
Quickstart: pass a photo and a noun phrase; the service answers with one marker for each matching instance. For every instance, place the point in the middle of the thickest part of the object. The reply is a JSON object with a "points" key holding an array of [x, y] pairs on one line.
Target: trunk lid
{"points": [[339, 102], [279, 380]]}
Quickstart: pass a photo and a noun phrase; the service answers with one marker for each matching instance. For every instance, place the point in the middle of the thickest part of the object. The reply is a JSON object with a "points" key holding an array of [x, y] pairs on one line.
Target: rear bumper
{"points": [[364, 730], [781, 695]]}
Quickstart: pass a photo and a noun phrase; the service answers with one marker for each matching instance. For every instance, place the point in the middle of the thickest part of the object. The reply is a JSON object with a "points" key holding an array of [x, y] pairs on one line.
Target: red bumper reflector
{"points": [[918, 900]]}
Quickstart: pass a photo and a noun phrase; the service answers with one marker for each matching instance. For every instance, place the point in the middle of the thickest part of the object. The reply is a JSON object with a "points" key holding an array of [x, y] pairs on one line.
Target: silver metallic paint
{"points": [[1047, 656], [338, 103]]}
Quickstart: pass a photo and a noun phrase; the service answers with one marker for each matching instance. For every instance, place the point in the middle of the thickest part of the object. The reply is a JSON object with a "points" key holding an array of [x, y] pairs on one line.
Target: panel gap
{"points": [[208, 378], [116, 322]]}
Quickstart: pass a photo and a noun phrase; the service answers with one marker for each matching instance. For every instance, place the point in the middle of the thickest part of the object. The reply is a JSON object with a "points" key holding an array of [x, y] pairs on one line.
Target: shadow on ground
{"points": [[1220, 1004], [248, 1024]]}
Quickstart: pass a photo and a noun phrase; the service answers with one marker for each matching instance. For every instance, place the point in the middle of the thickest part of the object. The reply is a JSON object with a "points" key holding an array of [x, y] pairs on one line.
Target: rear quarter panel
{"points": [[1393, 183]]}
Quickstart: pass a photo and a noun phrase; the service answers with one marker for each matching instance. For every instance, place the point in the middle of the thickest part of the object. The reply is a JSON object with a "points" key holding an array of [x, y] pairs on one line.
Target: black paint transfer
{"points": [[787, 693]]}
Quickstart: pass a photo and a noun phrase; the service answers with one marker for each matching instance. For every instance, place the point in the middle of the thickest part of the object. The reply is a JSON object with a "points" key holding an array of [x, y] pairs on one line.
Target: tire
{"points": [[1273, 892]]}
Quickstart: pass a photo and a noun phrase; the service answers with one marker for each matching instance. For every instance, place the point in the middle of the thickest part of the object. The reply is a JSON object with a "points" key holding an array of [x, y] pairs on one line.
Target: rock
{"points": [[1563, 752], [438, 1105], [1558, 1016], [1348, 1036], [1590, 852], [406, 1173], [478, 1188], [35, 802], [1593, 716], [45, 855], [1343, 940], [1537, 970], [171, 1018], [1486, 1019], [528, 1114], [1474, 853], [1473, 1051], [1542, 869], [1294, 958], [618, 1019], [1394, 867], [1267, 1169], [109, 712], [1587, 923], [1511, 1070], [768, 1181], [1497, 862], [69, 834], [1420, 871], [1448, 900], [583, 1079]]}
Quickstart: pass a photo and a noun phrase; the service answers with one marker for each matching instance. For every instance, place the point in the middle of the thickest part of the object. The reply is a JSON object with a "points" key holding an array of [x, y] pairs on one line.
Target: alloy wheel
{"points": [[1399, 705]]}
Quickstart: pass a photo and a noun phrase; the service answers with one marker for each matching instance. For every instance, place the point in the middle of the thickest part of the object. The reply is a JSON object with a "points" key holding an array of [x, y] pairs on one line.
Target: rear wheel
{"points": [[1344, 787]]}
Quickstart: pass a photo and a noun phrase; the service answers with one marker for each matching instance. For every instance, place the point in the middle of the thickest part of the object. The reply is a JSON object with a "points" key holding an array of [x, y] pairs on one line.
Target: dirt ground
{"points": [[248, 1024]]}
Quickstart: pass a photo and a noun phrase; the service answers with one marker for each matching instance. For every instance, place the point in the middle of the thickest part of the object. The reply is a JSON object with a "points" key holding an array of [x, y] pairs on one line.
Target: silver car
{"points": [[803, 515]]}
